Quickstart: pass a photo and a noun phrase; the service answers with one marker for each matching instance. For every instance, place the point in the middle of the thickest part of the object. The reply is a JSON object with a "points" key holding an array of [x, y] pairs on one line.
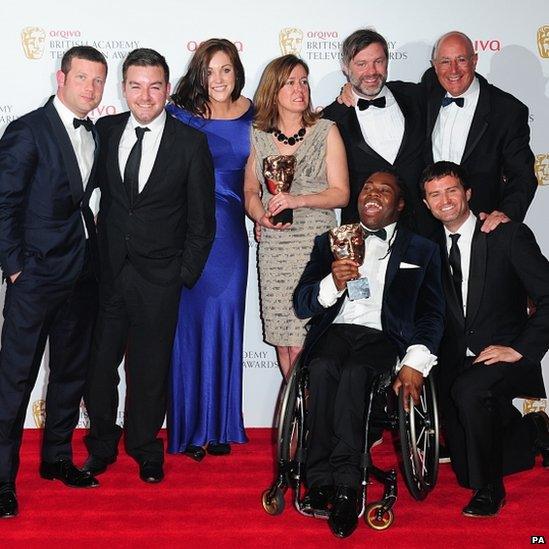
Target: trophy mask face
{"points": [[278, 171], [347, 242]]}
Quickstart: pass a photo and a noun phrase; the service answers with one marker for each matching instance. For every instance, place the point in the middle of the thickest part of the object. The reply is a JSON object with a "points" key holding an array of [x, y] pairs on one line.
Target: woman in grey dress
{"points": [[285, 124]]}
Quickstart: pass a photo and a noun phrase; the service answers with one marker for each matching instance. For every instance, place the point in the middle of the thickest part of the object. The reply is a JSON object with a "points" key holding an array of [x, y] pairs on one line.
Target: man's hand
{"points": [[346, 96], [344, 270], [491, 221], [497, 353], [15, 276], [411, 382]]}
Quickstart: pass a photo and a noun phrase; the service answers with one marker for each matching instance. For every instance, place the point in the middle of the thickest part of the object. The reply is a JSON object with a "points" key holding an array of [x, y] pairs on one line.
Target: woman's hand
{"points": [[265, 221], [282, 201]]}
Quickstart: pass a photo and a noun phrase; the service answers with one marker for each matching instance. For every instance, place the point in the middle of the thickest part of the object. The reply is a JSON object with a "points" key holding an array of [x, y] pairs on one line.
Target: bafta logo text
{"points": [[290, 40], [543, 41], [541, 167], [33, 40], [39, 413]]}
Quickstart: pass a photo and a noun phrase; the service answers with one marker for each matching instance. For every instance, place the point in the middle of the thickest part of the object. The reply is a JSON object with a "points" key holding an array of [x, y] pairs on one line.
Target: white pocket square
{"points": [[404, 265]]}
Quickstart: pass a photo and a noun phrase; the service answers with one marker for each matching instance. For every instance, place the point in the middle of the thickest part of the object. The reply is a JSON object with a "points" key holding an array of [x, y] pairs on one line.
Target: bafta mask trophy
{"points": [[278, 171], [347, 242]]}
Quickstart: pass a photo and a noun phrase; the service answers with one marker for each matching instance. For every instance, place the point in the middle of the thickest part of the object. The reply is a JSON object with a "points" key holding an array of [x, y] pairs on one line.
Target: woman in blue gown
{"points": [[205, 408]]}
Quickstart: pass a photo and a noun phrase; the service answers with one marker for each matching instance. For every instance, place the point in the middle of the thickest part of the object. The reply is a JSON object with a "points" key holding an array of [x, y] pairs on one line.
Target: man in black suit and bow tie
{"points": [[481, 128], [492, 349], [155, 227], [400, 318], [47, 246], [385, 129]]}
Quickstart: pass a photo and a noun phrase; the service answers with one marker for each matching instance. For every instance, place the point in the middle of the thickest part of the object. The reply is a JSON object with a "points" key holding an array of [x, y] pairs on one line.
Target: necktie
{"points": [[459, 101], [363, 104], [454, 258], [131, 171], [86, 122], [380, 233]]}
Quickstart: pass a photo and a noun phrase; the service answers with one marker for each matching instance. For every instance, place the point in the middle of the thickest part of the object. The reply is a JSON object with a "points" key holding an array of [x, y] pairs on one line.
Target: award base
{"points": [[285, 216], [358, 289]]}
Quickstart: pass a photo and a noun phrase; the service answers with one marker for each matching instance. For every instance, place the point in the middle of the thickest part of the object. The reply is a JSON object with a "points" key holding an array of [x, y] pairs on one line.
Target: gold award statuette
{"points": [[278, 171], [347, 242]]}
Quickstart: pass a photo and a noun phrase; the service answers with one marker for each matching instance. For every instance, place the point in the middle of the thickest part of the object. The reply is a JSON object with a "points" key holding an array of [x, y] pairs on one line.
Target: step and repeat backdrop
{"points": [[511, 38]]}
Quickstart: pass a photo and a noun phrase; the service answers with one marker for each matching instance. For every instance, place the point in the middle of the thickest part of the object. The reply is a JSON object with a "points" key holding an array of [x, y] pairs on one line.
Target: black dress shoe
{"points": [[195, 452], [151, 471], [343, 517], [96, 465], [219, 449], [8, 500], [65, 471], [486, 502], [540, 426], [318, 498]]}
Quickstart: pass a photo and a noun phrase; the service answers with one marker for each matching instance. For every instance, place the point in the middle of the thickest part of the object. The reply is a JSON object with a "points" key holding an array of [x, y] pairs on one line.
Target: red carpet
{"points": [[217, 503]]}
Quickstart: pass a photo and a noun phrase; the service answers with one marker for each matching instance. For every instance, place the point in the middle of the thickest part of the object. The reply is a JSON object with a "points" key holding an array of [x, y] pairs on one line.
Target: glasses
{"points": [[461, 61]]}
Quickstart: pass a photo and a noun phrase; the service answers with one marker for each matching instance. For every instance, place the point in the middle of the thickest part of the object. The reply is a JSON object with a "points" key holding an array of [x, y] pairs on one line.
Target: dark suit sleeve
{"points": [[532, 268], [518, 165], [18, 159], [430, 308], [200, 213], [306, 304]]}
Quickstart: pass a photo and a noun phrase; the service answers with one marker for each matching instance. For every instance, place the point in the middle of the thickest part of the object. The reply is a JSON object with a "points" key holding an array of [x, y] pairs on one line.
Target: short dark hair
{"points": [[400, 183], [360, 39], [87, 53], [441, 169], [145, 57], [192, 90]]}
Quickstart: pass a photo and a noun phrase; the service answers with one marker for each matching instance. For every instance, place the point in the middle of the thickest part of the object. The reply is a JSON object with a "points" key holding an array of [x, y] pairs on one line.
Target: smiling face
{"points": [[455, 64], [81, 89], [448, 201], [367, 71], [221, 78], [379, 202], [294, 95], [146, 92]]}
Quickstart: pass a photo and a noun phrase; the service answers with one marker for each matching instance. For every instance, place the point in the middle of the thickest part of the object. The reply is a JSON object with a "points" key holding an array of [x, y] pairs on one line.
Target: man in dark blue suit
{"points": [[349, 342], [47, 245]]}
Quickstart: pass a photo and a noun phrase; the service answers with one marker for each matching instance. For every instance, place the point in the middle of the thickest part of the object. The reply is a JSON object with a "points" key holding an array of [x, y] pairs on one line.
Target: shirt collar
{"points": [[467, 228], [66, 115], [390, 229], [156, 125], [384, 92], [470, 92]]}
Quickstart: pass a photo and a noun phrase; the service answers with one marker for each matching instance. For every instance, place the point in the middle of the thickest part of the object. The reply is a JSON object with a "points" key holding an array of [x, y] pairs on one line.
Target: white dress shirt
{"points": [[81, 139], [453, 124], [151, 143], [383, 129], [367, 312]]}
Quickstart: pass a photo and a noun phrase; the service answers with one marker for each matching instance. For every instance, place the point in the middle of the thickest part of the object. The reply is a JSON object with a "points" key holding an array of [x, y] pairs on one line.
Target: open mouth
{"points": [[372, 207]]}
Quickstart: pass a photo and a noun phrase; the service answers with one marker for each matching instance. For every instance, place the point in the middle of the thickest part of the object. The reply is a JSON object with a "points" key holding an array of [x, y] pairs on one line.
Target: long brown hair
{"points": [[266, 96], [191, 92]]}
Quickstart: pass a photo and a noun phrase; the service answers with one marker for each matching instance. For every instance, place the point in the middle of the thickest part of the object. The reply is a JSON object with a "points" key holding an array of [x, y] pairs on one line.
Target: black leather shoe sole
{"points": [[195, 452], [477, 513], [68, 474]]}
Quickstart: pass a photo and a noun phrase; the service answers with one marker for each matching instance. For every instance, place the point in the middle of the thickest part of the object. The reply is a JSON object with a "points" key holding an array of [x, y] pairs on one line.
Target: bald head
{"points": [[454, 60]]}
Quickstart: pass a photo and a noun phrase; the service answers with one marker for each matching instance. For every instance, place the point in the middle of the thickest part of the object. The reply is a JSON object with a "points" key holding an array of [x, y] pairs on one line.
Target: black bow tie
{"points": [[363, 104], [380, 233], [87, 123], [459, 101]]}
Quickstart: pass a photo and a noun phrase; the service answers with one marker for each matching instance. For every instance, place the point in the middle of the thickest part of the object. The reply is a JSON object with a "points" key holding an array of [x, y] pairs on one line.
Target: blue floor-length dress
{"points": [[206, 378]]}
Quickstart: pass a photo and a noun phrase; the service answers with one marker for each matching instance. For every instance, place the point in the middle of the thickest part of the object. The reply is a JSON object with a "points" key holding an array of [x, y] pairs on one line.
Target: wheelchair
{"points": [[418, 431]]}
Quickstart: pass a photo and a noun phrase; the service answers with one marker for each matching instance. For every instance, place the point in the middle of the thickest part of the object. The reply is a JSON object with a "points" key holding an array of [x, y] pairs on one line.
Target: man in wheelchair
{"points": [[397, 314]]}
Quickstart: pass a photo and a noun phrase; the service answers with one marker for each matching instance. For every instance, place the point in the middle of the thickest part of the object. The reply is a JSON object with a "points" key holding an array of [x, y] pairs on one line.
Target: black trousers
{"points": [[342, 367], [136, 318], [32, 314], [486, 435]]}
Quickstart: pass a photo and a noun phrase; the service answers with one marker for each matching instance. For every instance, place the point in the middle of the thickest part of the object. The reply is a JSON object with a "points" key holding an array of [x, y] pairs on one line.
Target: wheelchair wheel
{"points": [[292, 418], [419, 439], [378, 518], [273, 502]]}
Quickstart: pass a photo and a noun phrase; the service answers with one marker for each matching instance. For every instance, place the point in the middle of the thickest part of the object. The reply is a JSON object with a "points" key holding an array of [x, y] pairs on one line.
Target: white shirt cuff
{"points": [[328, 293], [419, 358]]}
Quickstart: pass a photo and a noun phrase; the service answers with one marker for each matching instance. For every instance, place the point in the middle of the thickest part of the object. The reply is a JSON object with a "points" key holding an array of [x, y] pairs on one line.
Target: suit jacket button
{"points": [[471, 332], [126, 237]]}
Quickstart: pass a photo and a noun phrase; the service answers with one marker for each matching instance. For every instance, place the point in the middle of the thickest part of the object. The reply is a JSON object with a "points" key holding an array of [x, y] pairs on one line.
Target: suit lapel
{"points": [[404, 108], [477, 274], [67, 152], [480, 119], [113, 166], [357, 136], [162, 160], [433, 108], [398, 248]]}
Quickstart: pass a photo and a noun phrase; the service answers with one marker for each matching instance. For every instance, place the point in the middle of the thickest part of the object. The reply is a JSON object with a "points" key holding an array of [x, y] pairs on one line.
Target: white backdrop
{"points": [[512, 39]]}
